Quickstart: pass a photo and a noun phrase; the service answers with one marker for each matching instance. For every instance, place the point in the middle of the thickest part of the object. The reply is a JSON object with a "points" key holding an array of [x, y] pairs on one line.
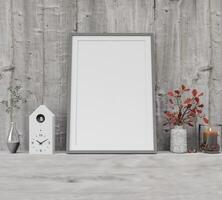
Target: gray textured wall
{"points": [[34, 39]]}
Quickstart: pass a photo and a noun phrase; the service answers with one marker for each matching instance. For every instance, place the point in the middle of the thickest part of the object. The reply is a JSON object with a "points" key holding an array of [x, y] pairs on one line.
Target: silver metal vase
{"points": [[13, 138]]}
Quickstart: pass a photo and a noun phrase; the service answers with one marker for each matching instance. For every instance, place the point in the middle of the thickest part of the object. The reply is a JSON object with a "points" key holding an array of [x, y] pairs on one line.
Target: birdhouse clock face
{"points": [[41, 131], [41, 141]]}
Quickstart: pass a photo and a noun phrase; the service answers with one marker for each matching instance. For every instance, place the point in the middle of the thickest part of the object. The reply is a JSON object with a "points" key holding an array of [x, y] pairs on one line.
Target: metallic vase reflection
{"points": [[13, 138]]}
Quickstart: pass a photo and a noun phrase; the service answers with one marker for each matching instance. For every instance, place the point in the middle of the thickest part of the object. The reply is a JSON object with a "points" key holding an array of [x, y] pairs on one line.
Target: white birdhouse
{"points": [[41, 131]]}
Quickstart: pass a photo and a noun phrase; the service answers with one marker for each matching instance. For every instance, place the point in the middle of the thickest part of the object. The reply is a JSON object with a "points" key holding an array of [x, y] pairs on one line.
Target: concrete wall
{"points": [[34, 40]]}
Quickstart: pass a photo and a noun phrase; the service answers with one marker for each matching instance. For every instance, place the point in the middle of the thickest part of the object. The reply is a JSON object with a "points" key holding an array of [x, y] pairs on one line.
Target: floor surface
{"points": [[164, 176]]}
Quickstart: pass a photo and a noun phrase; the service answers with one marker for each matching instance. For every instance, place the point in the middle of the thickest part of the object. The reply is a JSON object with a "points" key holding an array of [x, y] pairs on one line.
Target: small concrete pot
{"points": [[178, 140]]}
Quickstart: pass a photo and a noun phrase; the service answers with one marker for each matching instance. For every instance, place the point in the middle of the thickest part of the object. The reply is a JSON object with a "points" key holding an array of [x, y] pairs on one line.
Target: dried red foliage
{"points": [[185, 107]]}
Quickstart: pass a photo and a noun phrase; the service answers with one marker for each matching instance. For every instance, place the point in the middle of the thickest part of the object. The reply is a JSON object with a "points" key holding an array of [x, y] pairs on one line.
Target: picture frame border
{"points": [[69, 98]]}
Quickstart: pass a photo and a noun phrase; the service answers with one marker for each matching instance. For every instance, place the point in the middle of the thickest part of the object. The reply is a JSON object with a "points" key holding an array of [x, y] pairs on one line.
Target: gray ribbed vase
{"points": [[178, 140]]}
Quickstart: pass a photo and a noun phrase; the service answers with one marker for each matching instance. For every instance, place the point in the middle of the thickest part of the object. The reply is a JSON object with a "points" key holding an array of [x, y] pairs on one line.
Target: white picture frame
{"points": [[111, 106]]}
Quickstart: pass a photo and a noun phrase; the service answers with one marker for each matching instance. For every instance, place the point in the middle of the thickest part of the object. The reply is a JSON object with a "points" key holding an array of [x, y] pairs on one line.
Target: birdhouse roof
{"points": [[42, 109]]}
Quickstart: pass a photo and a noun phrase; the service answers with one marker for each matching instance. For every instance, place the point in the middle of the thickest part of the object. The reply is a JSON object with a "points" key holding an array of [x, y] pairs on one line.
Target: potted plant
{"points": [[17, 96], [184, 108]]}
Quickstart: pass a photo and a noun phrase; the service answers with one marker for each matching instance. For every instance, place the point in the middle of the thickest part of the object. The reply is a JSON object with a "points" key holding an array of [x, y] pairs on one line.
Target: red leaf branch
{"points": [[185, 107]]}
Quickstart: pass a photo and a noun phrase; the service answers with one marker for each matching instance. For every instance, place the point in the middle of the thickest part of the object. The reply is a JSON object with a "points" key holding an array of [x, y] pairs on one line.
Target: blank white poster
{"points": [[111, 94]]}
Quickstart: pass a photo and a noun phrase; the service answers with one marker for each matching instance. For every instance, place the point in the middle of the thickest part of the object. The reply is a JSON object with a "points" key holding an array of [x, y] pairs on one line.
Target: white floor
{"points": [[111, 177]]}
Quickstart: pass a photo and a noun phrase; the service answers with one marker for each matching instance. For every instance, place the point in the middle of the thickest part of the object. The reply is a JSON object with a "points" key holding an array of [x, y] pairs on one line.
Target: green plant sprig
{"points": [[15, 100]]}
